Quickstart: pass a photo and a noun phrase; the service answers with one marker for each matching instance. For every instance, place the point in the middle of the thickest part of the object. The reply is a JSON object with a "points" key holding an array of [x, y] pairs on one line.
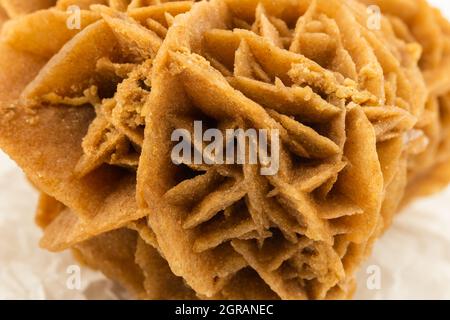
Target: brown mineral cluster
{"points": [[356, 104]]}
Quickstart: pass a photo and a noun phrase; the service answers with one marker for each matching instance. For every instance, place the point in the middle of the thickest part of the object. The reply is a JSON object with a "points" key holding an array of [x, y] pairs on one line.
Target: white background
{"points": [[413, 257]]}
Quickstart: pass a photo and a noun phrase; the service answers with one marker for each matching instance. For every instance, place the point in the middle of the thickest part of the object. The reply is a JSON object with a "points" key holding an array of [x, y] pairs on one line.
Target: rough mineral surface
{"points": [[91, 92]]}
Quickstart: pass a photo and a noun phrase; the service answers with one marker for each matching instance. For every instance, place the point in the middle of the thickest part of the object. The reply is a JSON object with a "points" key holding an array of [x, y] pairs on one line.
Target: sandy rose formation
{"points": [[353, 98]]}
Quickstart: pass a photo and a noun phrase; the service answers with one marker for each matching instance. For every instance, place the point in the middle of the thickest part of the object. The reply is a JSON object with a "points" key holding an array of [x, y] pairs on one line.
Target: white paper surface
{"points": [[412, 260]]}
